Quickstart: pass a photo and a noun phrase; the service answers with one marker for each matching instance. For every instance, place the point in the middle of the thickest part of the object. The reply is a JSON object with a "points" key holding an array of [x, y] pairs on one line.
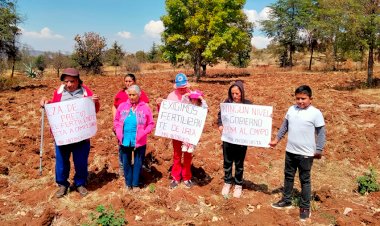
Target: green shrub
{"points": [[107, 217], [152, 188], [368, 183]]}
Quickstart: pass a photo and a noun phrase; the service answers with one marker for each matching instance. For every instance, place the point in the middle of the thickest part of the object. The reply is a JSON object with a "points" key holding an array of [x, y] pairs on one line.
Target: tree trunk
{"points": [[197, 65], [311, 57], [370, 66], [13, 66], [204, 65], [313, 44], [291, 50], [371, 45], [335, 57]]}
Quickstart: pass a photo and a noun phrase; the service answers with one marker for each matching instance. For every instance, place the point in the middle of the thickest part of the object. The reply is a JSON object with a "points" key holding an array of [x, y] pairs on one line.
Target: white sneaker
{"points": [[190, 149], [226, 189], [237, 191], [184, 149]]}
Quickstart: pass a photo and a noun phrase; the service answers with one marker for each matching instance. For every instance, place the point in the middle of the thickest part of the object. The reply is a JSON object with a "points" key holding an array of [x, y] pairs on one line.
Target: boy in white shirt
{"points": [[306, 138]]}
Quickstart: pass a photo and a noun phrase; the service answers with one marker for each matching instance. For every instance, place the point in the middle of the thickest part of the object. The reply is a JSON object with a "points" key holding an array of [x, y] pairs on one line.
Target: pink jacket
{"points": [[145, 123], [86, 92]]}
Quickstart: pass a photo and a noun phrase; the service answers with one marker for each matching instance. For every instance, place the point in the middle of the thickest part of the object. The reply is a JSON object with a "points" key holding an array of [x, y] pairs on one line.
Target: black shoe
{"points": [[146, 168], [304, 214], [82, 191], [61, 191], [282, 204], [173, 184]]}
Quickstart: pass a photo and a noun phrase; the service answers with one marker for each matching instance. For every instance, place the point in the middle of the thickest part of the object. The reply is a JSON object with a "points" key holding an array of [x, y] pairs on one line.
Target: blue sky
{"points": [[51, 25]]}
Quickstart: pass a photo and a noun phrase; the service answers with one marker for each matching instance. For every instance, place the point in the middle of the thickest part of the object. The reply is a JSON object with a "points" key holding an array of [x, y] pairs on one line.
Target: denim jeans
{"points": [[233, 153], [120, 159], [80, 152], [132, 172], [304, 164]]}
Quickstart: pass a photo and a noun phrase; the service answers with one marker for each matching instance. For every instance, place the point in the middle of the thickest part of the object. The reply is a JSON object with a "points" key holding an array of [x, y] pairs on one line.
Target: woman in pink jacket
{"points": [[133, 122]]}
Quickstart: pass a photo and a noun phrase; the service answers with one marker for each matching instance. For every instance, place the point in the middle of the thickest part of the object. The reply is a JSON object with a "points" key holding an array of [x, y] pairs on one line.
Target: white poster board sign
{"points": [[72, 121], [180, 121], [246, 124]]}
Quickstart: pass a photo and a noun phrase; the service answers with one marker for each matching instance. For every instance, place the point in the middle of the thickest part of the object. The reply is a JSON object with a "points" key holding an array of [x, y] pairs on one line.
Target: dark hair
{"points": [[132, 76], [305, 89]]}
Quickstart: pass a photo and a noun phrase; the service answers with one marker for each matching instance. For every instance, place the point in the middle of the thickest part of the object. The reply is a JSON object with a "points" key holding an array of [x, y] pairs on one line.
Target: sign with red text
{"points": [[72, 121], [180, 121], [246, 124]]}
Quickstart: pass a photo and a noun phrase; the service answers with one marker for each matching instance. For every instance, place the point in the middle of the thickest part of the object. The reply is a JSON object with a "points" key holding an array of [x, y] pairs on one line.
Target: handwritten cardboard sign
{"points": [[72, 121], [180, 121], [246, 124]]}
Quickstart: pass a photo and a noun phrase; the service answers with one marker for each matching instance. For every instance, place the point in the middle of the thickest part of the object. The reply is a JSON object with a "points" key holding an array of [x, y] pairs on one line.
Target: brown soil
{"points": [[353, 144]]}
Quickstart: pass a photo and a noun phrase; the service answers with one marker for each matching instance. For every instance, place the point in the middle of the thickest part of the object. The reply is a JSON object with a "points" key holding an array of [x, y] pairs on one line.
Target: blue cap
{"points": [[181, 81]]}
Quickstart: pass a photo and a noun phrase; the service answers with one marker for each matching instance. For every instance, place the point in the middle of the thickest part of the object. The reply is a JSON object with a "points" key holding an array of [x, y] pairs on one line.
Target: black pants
{"points": [[304, 164], [233, 153]]}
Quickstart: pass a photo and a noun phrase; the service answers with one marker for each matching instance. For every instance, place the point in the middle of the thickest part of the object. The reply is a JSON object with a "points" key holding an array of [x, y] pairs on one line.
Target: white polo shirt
{"points": [[301, 129]]}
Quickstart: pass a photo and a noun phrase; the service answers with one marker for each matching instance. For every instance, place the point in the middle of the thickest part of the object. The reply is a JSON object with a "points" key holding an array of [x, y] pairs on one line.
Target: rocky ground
{"points": [[352, 118]]}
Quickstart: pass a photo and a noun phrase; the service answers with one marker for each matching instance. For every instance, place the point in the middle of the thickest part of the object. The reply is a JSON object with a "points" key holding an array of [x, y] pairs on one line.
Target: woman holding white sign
{"points": [[233, 153], [71, 89], [133, 122], [181, 170]]}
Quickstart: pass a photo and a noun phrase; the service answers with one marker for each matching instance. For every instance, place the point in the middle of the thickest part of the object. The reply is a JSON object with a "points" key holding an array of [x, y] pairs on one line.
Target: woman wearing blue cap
{"points": [[180, 171]]}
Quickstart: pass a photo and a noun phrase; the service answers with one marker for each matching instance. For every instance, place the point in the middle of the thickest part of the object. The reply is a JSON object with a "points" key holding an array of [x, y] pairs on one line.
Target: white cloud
{"points": [[154, 28], [125, 34], [45, 33], [255, 17], [260, 42]]}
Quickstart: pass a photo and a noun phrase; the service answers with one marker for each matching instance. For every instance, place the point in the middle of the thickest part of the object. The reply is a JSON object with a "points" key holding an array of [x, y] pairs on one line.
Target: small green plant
{"points": [[296, 200], [331, 218], [152, 188], [107, 217], [368, 183], [29, 71]]}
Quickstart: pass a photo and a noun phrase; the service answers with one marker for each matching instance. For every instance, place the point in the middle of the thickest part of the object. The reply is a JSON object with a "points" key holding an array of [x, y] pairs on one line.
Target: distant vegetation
{"points": [[202, 33]]}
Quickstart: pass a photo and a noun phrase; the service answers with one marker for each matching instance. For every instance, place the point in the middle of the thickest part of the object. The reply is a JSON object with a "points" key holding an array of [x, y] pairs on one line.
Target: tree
{"points": [[115, 55], [40, 63], [152, 53], [336, 23], [141, 56], [202, 32], [88, 51], [287, 18], [59, 61], [9, 31], [155, 55], [370, 26]]}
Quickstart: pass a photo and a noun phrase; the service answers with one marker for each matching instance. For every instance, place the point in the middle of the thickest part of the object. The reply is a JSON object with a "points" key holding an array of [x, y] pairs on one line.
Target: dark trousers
{"points": [[132, 172], [120, 158], [304, 164], [233, 153], [80, 152]]}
